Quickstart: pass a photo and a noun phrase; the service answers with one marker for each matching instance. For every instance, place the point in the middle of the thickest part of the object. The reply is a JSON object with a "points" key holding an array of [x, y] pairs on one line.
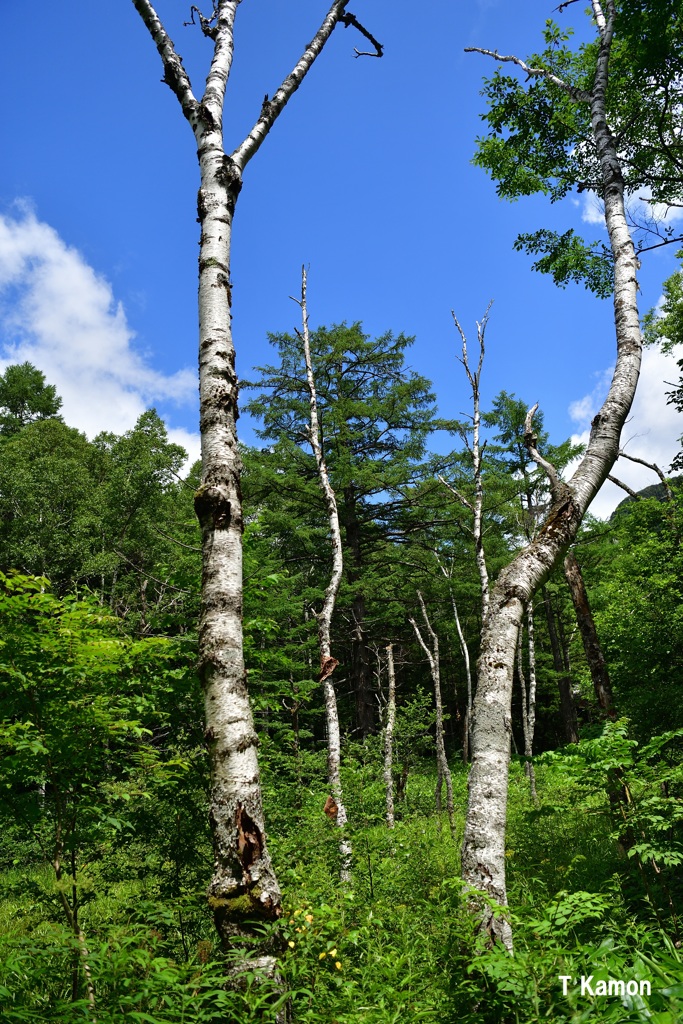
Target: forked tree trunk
{"points": [[589, 634], [483, 860], [442, 769], [476, 450], [244, 887], [335, 807], [389, 739]]}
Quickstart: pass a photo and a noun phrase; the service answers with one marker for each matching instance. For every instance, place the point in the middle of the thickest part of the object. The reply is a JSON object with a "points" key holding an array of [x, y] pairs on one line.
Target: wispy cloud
{"points": [[59, 314], [651, 432], [640, 208], [593, 210]]}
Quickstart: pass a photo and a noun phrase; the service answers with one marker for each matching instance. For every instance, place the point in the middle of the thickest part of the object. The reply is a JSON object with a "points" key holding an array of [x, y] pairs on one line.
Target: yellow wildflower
{"points": [[291, 944], [333, 952], [309, 918], [322, 956], [338, 966]]}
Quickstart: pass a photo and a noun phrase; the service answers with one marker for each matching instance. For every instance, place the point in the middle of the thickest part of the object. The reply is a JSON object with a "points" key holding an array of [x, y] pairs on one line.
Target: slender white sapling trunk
{"points": [[442, 769], [335, 807], [466, 658], [528, 700], [389, 738]]}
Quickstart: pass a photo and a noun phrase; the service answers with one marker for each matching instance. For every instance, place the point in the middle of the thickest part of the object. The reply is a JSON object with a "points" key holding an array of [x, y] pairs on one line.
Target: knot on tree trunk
{"points": [[229, 177], [212, 507]]}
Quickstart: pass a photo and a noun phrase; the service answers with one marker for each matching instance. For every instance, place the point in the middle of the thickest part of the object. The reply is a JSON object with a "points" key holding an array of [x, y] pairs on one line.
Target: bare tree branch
{"points": [[221, 62], [579, 95], [460, 497], [273, 107], [351, 19], [175, 75], [206, 24], [476, 450], [654, 467], [530, 441], [624, 487]]}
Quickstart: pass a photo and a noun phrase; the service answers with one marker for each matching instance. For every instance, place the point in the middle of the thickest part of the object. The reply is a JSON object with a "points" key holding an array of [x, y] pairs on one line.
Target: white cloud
{"points": [[584, 409], [59, 314], [652, 431], [187, 440], [593, 211], [640, 209]]}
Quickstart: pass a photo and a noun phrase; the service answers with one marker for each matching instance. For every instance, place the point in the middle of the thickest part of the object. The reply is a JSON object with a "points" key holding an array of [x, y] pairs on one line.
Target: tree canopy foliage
{"points": [[537, 132]]}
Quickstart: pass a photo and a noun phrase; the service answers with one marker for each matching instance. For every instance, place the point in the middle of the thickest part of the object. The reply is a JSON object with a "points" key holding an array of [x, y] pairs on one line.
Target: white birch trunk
{"points": [[476, 450], [324, 617], [389, 739], [483, 859], [244, 886], [442, 769], [466, 658], [528, 701]]}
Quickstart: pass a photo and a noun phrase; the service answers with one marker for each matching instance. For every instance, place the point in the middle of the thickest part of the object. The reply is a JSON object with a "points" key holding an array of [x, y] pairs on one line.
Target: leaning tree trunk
{"points": [[244, 888], [589, 634], [335, 807], [483, 857], [442, 770]]}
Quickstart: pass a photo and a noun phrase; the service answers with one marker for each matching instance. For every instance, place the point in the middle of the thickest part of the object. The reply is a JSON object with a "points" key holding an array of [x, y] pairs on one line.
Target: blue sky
{"points": [[366, 177]]}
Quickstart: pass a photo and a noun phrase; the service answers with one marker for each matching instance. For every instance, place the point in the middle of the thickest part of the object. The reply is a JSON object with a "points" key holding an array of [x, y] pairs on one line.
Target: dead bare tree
{"points": [[244, 888], [476, 450], [442, 769], [324, 616]]}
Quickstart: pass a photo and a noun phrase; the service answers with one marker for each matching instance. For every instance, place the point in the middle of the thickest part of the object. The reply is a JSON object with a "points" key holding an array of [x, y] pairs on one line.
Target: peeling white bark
{"points": [[324, 617], [389, 739], [244, 886], [483, 857], [442, 769]]}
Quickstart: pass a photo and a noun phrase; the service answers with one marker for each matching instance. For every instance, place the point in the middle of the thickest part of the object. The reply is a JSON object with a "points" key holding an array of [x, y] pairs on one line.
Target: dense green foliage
{"points": [[104, 842], [537, 133], [105, 846]]}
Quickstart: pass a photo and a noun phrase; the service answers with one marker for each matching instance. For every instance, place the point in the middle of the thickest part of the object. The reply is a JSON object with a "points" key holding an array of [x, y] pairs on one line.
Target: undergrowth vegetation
{"points": [[594, 893]]}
